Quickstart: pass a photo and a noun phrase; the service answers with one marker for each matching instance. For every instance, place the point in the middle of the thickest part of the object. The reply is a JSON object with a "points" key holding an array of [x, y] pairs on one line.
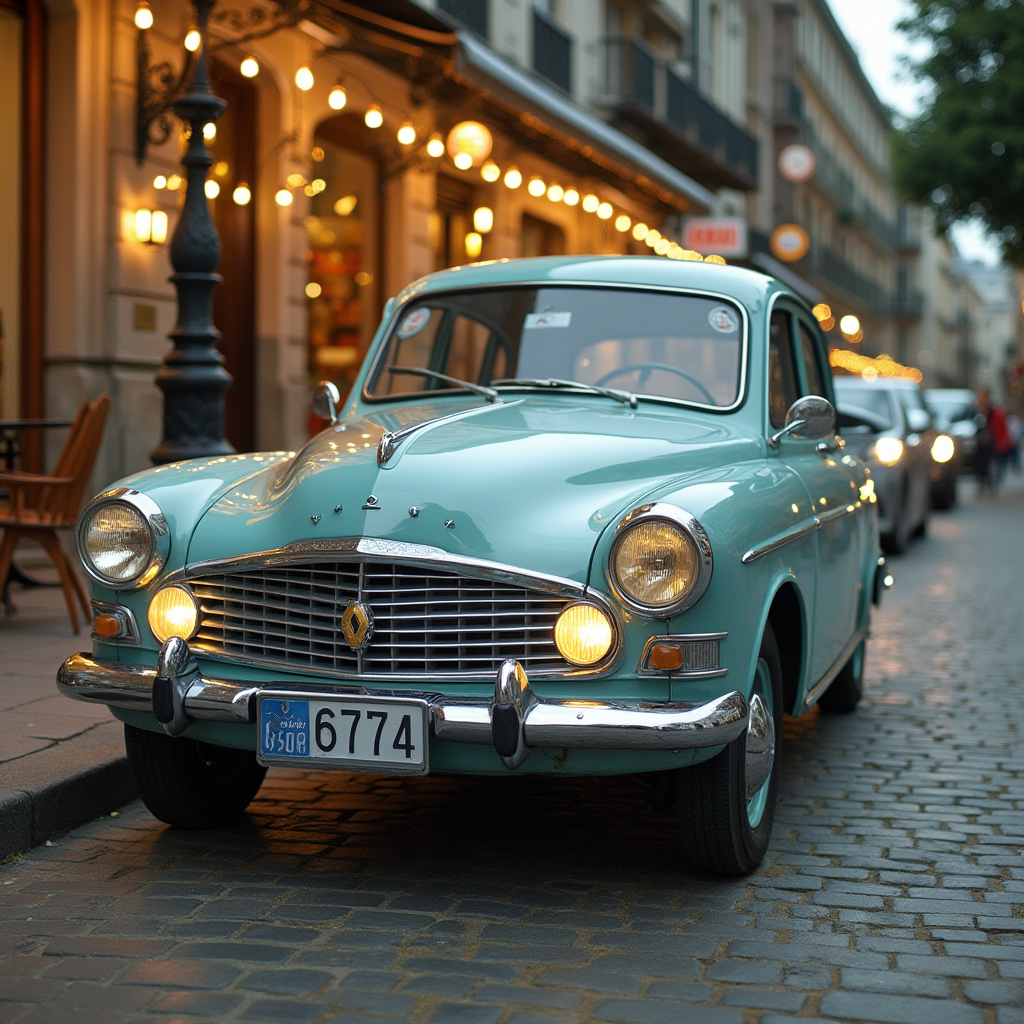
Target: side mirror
{"points": [[811, 418], [326, 399]]}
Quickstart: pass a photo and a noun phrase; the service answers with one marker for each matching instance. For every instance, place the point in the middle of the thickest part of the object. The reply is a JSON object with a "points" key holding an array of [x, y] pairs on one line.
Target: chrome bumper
{"points": [[514, 722]]}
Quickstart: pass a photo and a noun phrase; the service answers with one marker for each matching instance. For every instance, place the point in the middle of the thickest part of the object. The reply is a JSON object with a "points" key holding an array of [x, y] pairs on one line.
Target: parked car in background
{"points": [[951, 411], [578, 516], [884, 424]]}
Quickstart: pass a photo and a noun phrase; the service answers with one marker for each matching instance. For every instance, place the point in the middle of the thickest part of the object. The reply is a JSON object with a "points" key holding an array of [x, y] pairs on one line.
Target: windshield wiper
{"points": [[626, 397], [478, 389]]}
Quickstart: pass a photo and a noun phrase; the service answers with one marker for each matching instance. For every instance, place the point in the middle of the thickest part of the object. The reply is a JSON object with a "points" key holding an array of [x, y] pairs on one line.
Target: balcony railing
{"points": [[471, 13], [552, 52], [834, 269], [684, 127], [789, 102]]}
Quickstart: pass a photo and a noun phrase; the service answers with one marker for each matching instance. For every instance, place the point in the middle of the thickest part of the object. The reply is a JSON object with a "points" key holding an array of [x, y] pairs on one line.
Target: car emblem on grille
{"points": [[357, 625]]}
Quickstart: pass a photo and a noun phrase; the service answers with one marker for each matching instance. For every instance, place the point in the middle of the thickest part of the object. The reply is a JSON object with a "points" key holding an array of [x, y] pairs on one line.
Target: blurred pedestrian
{"points": [[1015, 425], [994, 443]]}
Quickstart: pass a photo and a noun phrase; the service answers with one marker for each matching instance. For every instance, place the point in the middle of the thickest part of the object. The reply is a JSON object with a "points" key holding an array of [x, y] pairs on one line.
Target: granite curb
{"points": [[53, 791]]}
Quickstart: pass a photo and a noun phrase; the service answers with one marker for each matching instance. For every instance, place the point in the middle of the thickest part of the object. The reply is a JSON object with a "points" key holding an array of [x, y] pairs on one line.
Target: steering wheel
{"points": [[655, 366]]}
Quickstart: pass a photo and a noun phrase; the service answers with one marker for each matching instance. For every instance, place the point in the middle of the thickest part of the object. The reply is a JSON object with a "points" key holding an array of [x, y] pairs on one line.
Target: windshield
{"points": [[656, 344], [951, 409], [859, 397]]}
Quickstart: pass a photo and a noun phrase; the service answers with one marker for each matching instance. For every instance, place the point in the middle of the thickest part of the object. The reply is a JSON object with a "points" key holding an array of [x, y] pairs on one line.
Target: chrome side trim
{"points": [[837, 513], [643, 669], [795, 533], [675, 725], [826, 680], [691, 526], [391, 439]]}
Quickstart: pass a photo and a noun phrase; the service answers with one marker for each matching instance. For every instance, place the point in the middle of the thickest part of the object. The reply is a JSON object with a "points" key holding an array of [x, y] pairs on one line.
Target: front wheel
{"points": [[727, 804], [190, 784]]}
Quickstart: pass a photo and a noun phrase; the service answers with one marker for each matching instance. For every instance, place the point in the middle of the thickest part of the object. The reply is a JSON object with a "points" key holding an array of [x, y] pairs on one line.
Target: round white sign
{"points": [[797, 163]]}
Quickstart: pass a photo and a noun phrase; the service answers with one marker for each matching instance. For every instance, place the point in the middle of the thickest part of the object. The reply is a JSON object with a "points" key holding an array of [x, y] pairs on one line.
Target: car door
{"points": [[919, 439], [832, 481]]}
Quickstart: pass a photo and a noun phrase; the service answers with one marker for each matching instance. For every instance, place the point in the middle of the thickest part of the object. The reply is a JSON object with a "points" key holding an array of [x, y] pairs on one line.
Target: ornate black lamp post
{"points": [[193, 378]]}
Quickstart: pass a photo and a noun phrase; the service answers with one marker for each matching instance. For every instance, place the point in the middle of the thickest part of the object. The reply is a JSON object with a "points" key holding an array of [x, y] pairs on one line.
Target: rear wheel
{"points": [[847, 688], [727, 804], [190, 784]]}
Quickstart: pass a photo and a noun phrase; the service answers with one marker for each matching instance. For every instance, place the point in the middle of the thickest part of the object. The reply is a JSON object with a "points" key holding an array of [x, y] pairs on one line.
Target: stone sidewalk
{"points": [[61, 761]]}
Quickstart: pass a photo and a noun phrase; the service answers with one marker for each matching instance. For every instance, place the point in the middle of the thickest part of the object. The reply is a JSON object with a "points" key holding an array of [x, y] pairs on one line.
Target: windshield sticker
{"points": [[547, 320], [414, 322], [722, 320]]}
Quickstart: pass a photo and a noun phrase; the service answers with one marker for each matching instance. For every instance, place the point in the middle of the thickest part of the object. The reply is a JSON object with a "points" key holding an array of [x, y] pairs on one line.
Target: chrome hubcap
{"points": [[760, 753]]}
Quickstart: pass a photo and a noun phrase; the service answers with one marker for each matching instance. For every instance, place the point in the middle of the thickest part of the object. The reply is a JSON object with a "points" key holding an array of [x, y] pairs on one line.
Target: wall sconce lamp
{"points": [[151, 226]]}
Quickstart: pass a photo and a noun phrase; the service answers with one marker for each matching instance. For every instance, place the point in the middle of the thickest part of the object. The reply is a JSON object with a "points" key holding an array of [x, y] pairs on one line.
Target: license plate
{"points": [[378, 734]]}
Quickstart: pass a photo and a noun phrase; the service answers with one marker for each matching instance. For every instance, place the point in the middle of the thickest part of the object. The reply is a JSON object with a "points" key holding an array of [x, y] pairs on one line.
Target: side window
{"points": [[812, 363], [783, 388]]}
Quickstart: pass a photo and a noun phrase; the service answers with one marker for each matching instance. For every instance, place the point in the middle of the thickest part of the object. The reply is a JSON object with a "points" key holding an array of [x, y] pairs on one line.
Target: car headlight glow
{"points": [[943, 448], [583, 634], [173, 611], [889, 450], [123, 539], [661, 561]]}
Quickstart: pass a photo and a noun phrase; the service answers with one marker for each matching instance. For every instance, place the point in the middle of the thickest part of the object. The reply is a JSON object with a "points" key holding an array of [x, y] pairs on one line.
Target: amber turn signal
{"points": [[106, 625], [665, 658]]}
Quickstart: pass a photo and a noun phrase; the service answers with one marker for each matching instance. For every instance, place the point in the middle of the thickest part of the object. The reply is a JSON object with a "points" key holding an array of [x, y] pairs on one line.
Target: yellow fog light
{"points": [[889, 450], [583, 634], [943, 448], [173, 612]]}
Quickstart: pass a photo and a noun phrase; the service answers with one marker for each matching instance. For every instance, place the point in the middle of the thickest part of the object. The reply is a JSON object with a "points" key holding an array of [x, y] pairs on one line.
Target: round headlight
{"points": [[661, 561], [889, 450], [583, 634], [173, 612], [123, 539], [116, 542], [943, 448]]}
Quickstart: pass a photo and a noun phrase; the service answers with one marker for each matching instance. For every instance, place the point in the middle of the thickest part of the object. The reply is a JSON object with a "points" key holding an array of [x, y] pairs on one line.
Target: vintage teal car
{"points": [[578, 516]]}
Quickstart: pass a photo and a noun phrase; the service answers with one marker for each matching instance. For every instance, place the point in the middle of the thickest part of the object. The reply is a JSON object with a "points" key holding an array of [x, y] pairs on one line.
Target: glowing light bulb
{"points": [[313, 290], [849, 324], [337, 98], [284, 197], [571, 197], [474, 244], [490, 171], [513, 178], [193, 40], [435, 146], [622, 222], [663, 245], [640, 231], [373, 118], [604, 211], [159, 181], [536, 187], [212, 189], [555, 192], [591, 202], [242, 194], [143, 16], [174, 182], [463, 161], [209, 131], [250, 67], [407, 134], [304, 78], [483, 219]]}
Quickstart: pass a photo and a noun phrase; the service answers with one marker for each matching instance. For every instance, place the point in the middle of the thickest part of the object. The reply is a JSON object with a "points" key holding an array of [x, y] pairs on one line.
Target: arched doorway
{"points": [[343, 231]]}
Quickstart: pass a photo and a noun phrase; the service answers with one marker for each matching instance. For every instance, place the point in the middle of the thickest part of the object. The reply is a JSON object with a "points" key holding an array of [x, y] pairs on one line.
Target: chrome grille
{"points": [[426, 621]]}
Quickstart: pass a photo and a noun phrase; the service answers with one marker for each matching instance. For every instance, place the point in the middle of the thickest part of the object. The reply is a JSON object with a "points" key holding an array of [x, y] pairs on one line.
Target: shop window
{"points": [[542, 238], [451, 222], [234, 300], [343, 231]]}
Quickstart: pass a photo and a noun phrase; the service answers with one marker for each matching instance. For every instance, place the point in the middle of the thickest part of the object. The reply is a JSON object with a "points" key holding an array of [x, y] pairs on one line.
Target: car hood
{"points": [[529, 482]]}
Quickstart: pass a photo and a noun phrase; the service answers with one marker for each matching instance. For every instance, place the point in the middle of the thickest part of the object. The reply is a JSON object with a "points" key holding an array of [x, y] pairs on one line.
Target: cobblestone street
{"points": [[893, 890]]}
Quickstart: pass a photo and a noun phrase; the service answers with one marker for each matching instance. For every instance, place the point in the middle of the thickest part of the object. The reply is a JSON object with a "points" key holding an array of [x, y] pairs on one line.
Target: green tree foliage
{"points": [[964, 155]]}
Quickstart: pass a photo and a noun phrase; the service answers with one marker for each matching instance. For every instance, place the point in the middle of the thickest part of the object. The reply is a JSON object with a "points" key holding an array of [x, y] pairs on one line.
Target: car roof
{"points": [[748, 286]]}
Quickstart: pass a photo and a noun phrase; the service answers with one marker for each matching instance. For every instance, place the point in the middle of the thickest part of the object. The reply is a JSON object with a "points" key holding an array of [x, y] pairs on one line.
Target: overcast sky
{"points": [[870, 25]]}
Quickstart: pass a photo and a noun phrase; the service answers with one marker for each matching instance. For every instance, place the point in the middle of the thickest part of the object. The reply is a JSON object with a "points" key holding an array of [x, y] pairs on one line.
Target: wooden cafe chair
{"points": [[41, 505]]}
